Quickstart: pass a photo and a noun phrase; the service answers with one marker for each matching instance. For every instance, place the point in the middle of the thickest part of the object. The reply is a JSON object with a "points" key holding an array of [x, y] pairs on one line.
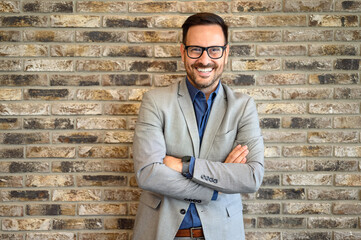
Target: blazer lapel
{"points": [[186, 106], [214, 121]]}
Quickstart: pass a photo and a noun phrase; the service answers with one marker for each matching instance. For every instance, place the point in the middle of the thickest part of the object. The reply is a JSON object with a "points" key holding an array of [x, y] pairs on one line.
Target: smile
{"points": [[204, 70]]}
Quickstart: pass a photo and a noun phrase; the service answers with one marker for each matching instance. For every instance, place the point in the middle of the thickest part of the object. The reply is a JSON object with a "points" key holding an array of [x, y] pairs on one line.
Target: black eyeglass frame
{"points": [[205, 49]]}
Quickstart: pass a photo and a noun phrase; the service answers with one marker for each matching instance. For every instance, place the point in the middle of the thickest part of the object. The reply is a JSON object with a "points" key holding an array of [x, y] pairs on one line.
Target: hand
{"points": [[238, 155], [173, 163]]}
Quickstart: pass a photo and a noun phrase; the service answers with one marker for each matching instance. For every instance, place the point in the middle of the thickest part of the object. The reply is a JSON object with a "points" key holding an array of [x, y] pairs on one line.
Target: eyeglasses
{"points": [[214, 52]]}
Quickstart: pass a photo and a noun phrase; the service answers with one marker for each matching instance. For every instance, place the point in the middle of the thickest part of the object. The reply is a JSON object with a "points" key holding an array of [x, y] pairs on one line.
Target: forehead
{"points": [[205, 35]]}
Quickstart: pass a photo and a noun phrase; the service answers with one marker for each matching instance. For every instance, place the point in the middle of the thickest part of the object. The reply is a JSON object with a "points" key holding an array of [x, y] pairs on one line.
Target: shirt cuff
{"points": [[215, 195], [188, 168]]}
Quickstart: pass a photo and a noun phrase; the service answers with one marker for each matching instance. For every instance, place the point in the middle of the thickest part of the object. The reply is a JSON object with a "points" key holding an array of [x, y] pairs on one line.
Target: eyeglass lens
{"points": [[213, 52]]}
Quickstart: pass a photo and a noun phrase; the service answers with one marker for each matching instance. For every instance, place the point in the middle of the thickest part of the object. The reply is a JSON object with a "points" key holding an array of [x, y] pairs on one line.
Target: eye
{"points": [[215, 50], [195, 49]]}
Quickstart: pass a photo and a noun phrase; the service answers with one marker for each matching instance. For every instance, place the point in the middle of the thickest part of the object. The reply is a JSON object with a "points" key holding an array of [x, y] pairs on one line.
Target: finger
{"points": [[241, 157], [239, 154], [233, 154]]}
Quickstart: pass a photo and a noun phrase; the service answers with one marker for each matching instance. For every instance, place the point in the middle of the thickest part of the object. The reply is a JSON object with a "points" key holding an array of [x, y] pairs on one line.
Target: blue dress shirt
{"points": [[202, 109]]}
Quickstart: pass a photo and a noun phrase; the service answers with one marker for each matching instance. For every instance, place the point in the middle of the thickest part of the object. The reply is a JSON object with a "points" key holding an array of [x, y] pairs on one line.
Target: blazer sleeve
{"points": [[235, 177], [149, 149]]}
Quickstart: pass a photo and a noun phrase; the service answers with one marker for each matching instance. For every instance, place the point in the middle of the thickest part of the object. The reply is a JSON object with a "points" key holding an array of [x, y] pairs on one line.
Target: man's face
{"points": [[204, 73]]}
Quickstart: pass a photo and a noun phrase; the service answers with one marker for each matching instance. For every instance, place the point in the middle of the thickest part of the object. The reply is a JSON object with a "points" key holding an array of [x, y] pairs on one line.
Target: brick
{"points": [[306, 235], [307, 179], [332, 137], [272, 151], [280, 194], [127, 22], [331, 165], [9, 7], [26, 224], [332, 50], [307, 35], [153, 36], [332, 194], [334, 108], [347, 93], [98, 6], [101, 123], [133, 207], [126, 80], [74, 21], [100, 65], [256, 65], [317, 20], [53, 236], [47, 7], [308, 65], [13, 152], [10, 181], [77, 166], [10, 65], [76, 108], [122, 195], [281, 222], [276, 165], [307, 151], [101, 95], [118, 166], [104, 236], [128, 51], [119, 223], [262, 94], [348, 35], [347, 122], [281, 136], [332, 222], [347, 64], [240, 80], [22, 167], [261, 208], [101, 180], [133, 182], [122, 108], [48, 36], [153, 7], [167, 79], [346, 235], [76, 195], [281, 108], [346, 208], [75, 51], [50, 152], [240, 21], [74, 80], [241, 50], [256, 36], [334, 78], [24, 21], [77, 137], [118, 137], [24, 50], [249, 223], [23, 80], [101, 36], [103, 152], [24, 138], [308, 93], [348, 151], [77, 224], [162, 51], [263, 235], [137, 94], [24, 196], [349, 180], [282, 21], [306, 208], [48, 123], [281, 50], [197, 6], [308, 6], [49, 181], [51, 209], [281, 79], [48, 94], [10, 94], [102, 209], [50, 65], [10, 36], [11, 211], [11, 236], [24, 109], [169, 21], [10, 123], [257, 6]]}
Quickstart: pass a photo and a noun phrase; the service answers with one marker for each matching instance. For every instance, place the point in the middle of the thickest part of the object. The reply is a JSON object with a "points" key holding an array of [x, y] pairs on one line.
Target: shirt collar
{"points": [[193, 91]]}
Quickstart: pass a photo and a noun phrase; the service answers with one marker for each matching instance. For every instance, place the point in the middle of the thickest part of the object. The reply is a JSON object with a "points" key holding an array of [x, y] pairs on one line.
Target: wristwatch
{"points": [[185, 167]]}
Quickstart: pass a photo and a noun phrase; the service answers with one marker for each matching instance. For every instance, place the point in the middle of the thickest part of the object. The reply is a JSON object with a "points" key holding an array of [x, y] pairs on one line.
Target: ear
{"points": [[226, 54], [182, 50]]}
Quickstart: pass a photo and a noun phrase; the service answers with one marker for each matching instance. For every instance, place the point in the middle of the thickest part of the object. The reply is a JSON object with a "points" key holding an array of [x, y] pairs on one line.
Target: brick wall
{"points": [[72, 75]]}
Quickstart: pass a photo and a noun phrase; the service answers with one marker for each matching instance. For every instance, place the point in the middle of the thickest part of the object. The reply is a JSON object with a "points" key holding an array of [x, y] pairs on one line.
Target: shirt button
{"points": [[182, 211]]}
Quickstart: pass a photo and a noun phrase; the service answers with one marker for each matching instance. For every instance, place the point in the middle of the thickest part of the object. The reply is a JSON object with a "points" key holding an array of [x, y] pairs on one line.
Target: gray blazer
{"points": [[167, 126]]}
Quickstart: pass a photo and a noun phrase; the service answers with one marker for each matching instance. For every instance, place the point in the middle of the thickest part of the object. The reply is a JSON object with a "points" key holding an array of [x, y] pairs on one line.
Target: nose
{"points": [[204, 58]]}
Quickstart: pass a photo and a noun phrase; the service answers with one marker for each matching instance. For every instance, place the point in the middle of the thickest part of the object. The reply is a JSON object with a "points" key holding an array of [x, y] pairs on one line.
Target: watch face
{"points": [[186, 159]]}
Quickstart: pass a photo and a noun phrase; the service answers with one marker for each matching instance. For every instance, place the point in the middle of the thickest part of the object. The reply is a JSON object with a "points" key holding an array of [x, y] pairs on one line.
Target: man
{"points": [[197, 146]]}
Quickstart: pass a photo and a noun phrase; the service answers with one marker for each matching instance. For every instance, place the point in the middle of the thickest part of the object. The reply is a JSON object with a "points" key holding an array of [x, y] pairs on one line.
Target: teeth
{"points": [[204, 69]]}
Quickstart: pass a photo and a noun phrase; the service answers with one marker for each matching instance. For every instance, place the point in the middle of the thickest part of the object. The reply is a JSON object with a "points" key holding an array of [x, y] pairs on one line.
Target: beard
{"points": [[197, 80]]}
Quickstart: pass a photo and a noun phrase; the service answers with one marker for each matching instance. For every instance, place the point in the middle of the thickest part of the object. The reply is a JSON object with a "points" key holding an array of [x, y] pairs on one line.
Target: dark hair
{"points": [[204, 19]]}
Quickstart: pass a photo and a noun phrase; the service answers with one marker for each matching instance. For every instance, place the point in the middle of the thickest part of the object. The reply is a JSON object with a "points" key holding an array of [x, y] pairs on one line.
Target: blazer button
{"points": [[182, 211]]}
